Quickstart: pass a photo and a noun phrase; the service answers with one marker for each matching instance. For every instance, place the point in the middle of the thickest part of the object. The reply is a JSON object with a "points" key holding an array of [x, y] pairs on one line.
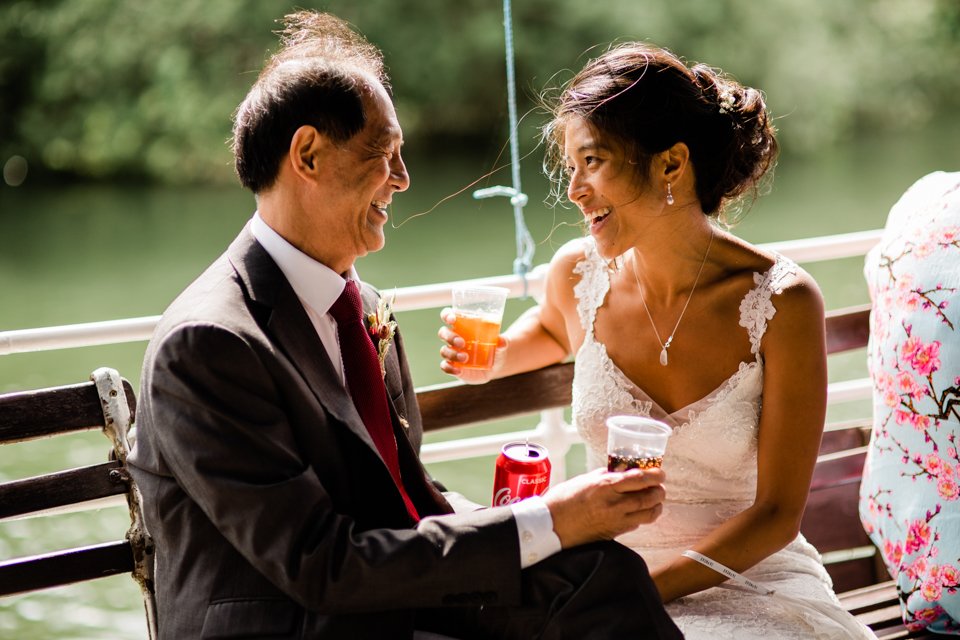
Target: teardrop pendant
{"points": [[663, 356]]}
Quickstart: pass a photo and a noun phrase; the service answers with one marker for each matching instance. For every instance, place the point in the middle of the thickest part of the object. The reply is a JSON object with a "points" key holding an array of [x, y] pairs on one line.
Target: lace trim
{"points": [[720, 395], [593, 286], [756, 308]]}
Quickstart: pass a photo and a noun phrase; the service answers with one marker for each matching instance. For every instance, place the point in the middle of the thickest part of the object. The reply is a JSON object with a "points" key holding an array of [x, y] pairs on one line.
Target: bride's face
{"points": [[612, 196]]}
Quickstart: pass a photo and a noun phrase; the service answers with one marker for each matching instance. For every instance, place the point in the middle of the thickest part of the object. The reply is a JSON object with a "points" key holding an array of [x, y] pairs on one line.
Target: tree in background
{"points": [[110, 88]]}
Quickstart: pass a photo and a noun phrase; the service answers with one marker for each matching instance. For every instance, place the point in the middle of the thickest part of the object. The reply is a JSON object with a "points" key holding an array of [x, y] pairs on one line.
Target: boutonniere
{"points": [[382, 329]]}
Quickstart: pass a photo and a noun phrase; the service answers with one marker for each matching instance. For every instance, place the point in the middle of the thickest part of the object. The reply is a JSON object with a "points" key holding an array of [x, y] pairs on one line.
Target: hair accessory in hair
{"points": [[726, 101]]}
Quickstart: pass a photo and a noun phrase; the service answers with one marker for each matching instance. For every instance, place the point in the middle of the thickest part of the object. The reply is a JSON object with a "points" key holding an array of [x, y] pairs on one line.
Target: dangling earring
{"points": [[669, 194]]}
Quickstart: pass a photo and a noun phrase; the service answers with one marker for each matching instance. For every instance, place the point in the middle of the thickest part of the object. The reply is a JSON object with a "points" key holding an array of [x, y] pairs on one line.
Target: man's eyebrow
{"points": [[390, 136]]}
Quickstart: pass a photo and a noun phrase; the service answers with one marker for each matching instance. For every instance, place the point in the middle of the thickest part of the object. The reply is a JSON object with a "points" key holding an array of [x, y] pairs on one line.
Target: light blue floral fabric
{"points": [[910, 497]]}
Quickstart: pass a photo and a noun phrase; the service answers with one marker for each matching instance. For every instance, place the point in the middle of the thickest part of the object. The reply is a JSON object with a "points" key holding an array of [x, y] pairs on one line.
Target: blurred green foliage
{"points": [[112, 88]]}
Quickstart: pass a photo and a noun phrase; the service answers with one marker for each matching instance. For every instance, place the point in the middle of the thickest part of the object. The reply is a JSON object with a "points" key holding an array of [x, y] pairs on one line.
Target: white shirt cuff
{"points": [[535, 530]]}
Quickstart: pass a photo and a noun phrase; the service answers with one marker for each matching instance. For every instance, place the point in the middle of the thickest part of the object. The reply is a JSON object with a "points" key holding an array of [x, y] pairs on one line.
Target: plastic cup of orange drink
{"points": [[479, 312]]}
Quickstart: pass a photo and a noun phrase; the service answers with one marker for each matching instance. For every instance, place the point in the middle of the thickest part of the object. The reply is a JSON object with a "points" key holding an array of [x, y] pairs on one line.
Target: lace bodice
{"points": [[711, 470], [711, 456]]}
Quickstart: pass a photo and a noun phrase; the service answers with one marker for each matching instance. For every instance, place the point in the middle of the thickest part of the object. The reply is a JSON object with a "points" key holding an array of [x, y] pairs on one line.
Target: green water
{"points": [[88, 253]]}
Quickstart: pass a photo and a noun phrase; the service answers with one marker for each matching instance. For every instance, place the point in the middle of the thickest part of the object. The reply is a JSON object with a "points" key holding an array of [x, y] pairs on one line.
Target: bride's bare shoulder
{"points": [[571, 253], [563, 265], [798, 295], [563, 274]]}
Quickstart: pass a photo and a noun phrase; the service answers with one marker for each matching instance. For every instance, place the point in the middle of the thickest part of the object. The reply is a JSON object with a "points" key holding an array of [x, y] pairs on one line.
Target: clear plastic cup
{"points": [[479, 312], [635, 442]]}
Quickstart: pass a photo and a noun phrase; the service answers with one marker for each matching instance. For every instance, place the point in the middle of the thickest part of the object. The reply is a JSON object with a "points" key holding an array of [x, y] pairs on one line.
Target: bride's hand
{"points": [[454, 356]]}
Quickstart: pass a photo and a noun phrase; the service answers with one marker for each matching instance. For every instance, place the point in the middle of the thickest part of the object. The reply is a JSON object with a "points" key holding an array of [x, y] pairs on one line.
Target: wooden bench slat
{"points": [[848, 328], [878, 607], [59, 489], [893, 633], [899, 632], [851, 574], [885, 616], [868, 598], [831, 520], [65, 567], [62, 410], [455, 404], [838, 468], [28, 415], [842, 439]]}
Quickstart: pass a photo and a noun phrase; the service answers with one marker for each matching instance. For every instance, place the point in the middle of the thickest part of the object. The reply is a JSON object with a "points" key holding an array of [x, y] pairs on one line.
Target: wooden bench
{"points": [[831, 521], [107, 402]]}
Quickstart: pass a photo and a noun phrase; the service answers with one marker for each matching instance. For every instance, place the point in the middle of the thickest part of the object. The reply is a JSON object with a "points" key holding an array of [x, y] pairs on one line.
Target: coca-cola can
{"points": [[523, 470]]}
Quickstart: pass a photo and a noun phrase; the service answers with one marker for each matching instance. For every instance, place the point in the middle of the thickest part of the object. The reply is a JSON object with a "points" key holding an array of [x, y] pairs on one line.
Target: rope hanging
{"points": [[525, 245]]}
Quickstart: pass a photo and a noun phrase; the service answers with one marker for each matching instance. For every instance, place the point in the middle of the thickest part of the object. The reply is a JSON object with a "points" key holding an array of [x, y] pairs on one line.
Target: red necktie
{"points": [[365, 382]]}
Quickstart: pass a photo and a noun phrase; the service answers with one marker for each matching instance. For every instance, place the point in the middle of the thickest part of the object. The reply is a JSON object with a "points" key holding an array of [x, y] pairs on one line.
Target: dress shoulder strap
{"points": [[593, 286], [756, 308]]}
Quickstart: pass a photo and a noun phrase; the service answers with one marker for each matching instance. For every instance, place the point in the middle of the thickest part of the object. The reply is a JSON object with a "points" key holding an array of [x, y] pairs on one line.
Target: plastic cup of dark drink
{"points": [[635, 442]]}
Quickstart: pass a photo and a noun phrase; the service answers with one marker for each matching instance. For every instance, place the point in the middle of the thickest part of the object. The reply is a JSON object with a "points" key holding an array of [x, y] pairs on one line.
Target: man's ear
{"points": [[307, 146], [674, 161]]}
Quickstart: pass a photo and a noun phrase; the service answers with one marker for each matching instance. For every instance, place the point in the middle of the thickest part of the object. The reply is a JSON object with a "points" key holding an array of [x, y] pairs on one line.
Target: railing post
{"points": [[556, 435]]}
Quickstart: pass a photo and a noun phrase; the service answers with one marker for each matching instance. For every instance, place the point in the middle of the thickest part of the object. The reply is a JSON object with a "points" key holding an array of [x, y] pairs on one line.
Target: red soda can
{"points": [[523, 470]]}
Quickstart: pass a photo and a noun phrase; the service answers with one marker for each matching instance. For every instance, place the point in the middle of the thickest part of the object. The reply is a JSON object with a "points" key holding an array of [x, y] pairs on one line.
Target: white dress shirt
{"points": [[318, 287]]}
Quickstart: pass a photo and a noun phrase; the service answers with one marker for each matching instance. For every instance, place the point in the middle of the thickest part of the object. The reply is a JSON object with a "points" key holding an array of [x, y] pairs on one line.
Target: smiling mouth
{"points": [[596, 217], [380, 206]]}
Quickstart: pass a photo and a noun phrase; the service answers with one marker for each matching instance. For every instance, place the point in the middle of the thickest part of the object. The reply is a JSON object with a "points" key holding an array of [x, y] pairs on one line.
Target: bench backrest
{"points": [[831, 521], [107, 403]]}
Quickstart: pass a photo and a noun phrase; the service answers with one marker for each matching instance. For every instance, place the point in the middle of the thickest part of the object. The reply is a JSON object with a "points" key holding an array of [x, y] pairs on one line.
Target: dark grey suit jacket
{"points": [[272, 512]]}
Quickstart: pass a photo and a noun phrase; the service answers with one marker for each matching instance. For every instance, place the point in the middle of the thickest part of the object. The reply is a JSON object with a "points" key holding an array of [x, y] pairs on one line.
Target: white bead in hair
{"points": [[726, 101]]}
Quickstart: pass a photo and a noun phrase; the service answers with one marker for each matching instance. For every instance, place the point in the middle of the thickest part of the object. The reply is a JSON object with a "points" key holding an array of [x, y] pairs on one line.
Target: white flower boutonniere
{"points": [[382, 328]]}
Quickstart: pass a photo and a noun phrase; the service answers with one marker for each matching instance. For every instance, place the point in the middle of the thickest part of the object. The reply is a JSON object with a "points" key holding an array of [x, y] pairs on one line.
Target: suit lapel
{"points": [[291, 329]]}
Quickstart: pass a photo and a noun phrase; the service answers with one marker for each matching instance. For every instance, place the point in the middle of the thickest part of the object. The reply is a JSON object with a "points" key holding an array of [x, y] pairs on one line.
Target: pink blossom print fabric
{"points": [[910, 497]]}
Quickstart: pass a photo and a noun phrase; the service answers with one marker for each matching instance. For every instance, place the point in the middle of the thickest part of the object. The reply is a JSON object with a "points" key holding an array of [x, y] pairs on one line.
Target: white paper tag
{"points": [[734, 577]]}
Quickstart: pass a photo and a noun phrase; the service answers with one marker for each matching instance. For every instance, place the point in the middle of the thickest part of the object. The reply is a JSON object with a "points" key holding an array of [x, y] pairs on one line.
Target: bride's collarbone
{"points": [[704, 343], [695, 368]]}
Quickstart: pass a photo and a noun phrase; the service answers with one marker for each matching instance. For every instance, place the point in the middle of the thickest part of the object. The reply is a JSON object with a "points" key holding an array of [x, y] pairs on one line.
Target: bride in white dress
{"points": [[671, 317]]}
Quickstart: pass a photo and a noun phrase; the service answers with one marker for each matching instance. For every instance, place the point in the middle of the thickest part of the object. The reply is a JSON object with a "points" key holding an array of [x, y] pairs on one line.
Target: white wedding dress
{"points": [[711, 470]]}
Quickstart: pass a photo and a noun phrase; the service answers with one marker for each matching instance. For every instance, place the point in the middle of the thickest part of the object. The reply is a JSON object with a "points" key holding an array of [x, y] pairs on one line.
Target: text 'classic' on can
{"points": [[523, 470]]}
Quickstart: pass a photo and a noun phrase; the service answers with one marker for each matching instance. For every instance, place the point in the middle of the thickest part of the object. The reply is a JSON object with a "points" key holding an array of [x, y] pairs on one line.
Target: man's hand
{"points": [[600, 505]]}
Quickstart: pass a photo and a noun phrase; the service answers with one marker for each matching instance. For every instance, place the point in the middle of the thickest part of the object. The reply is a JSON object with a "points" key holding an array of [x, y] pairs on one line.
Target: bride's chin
{"points": [[608, 250]]}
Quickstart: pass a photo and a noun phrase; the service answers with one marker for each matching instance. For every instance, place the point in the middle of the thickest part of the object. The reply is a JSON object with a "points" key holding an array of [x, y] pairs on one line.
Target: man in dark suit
{"points": [[280, 476]]}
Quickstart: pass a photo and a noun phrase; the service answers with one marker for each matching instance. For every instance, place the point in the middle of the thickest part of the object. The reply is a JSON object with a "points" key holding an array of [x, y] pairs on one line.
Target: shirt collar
{"points": [[316, 284]]}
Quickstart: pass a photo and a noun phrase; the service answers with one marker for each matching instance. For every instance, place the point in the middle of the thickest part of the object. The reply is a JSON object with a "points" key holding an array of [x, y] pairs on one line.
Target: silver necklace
{"points": [[666, 345]]}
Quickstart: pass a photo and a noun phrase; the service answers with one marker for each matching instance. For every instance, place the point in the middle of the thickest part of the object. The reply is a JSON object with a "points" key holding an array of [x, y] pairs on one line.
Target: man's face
{"points": [[360, 177]]}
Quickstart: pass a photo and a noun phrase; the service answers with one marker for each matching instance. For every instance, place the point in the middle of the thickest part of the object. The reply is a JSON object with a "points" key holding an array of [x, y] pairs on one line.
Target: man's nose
{"points": [[399, 178]]}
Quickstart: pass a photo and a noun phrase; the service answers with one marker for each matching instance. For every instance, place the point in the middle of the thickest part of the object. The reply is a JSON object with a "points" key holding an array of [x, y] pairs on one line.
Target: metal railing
{"points": [[408, 298], [552, 430]]}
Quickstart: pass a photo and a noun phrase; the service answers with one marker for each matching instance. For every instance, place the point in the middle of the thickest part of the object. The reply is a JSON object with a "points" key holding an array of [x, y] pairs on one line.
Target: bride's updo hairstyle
{"points": [[646, 99]]}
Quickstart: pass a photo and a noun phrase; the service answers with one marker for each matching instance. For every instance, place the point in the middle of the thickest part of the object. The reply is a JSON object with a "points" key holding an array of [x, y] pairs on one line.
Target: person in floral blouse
{"points": [[910, 496]]}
